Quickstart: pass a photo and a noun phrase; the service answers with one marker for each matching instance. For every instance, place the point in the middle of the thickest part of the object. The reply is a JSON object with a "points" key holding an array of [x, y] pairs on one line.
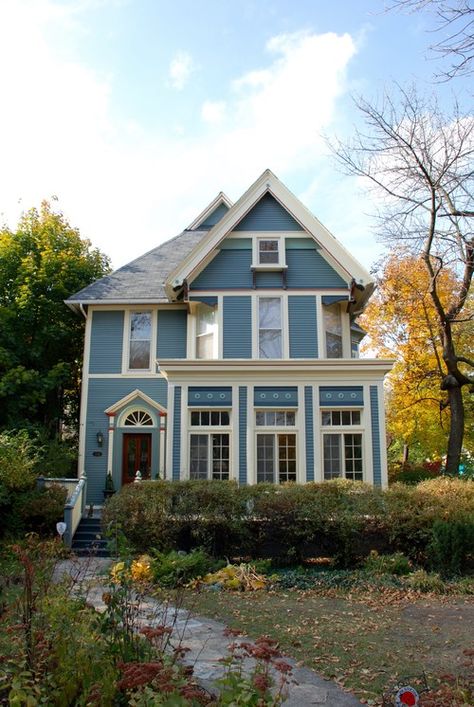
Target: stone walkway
{"points": [[204, 637]]}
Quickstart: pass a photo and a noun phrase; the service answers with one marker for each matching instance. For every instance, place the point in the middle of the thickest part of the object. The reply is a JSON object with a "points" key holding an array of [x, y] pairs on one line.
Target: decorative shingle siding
{"points": [[268, 215], [106, 342], [307, 268], [172, 327], [243, 434], [309, 432], [102, 393], [376, 455], [177, 433], [237, 332], [229, 269], [302, 324], [275, 396]]}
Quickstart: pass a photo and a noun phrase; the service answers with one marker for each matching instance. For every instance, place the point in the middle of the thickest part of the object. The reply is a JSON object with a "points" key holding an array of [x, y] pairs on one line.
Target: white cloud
{"points": [[128, 188], [213, 111], [180, 69]]}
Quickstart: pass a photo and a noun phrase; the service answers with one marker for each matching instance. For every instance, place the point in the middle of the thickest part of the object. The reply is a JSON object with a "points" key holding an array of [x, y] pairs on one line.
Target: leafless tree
{"points": [[455, 21], [419, 162]]}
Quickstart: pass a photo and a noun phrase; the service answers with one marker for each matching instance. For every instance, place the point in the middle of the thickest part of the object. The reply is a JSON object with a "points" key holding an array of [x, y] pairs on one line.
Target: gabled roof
{"points": [[142, 280], [135, 395], [220, 204], [349, 268]]}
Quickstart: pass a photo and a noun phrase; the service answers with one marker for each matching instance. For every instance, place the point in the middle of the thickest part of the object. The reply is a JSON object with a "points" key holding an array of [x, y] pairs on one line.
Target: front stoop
{"points": [[89, 539]]}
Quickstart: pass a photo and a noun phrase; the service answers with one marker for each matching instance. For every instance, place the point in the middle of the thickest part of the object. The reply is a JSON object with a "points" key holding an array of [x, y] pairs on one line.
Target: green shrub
{"points": [[41, 509], [18, 458], [388, 564], [175, 569], [422, 581], [452, 546]]}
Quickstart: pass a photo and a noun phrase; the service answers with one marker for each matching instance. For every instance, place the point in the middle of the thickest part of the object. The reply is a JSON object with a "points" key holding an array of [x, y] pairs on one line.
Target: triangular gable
{"points": [[134, 395], [268, 215], [332, 250], [212, 214]]}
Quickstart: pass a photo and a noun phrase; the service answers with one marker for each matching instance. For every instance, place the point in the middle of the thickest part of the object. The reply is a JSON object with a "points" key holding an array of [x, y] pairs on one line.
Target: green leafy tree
{"points": [[42, 262]]}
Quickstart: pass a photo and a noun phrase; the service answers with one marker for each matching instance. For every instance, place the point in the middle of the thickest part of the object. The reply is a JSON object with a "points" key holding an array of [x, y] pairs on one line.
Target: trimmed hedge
{"points": [[339, 519]]}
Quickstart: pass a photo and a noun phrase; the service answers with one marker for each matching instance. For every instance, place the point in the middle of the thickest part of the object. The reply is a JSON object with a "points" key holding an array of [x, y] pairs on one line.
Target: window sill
{"points": [[272, 267]]}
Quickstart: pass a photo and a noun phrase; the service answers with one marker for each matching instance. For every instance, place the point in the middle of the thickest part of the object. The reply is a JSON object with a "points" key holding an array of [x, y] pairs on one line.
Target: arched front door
{"points": [[136, 456]]}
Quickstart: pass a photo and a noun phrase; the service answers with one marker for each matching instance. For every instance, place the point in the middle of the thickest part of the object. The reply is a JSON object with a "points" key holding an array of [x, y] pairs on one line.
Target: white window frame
{"points": [[342, 430], [208, 431], [209, 426], [127, 338], [276, 426], [281, 262], [283, 325], [341, 322], [215, 334], [275, 431]]}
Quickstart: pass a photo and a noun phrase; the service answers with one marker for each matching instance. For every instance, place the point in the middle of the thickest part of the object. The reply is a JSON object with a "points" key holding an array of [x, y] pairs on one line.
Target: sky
{"points": [[133, 114]]}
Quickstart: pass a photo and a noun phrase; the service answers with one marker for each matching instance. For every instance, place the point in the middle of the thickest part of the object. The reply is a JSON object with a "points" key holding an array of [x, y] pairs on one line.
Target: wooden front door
{"points": [[136, 456]]}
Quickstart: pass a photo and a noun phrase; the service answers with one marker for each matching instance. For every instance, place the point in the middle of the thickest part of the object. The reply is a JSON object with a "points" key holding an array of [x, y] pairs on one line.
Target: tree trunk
{"points": [[456, 430], [406, 453]]}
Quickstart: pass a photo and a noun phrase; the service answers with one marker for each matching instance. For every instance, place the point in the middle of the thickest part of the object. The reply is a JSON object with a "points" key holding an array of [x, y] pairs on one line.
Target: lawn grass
{"points": [[365, 641]]}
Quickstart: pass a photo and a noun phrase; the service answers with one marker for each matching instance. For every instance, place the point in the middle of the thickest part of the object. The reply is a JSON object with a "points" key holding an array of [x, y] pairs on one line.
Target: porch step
{"points": [[89, 540]]}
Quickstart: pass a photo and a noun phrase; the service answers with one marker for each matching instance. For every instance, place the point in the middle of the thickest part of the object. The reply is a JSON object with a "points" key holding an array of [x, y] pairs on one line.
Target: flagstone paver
{"points": [[204, 637]]}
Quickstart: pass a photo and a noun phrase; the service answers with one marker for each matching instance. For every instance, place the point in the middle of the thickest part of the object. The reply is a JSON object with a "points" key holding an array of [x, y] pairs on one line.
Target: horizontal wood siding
{"points": [[303, 329], [215, 216], [307, 268], [376, 455], [268, 215], [237, 332], [104, 392], [230, 268], [309, 432], [177, 434], [172, 327], [243, 434], [106, 342]]}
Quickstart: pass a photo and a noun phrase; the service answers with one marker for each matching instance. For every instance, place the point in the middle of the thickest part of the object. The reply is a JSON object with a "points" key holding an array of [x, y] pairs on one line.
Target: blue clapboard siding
{"points": [[309, 432], [242, 435], [305, 243], [337, 395], [106, 342], [230, 268], [214, 217], [269, 279], [204, 396], [375, 420], [275, 396], [171, 338], [211, 301], [237, 329], [307, 268], [236, 244], [268, 215], [177, 433], [303, 329], [102, 393]]}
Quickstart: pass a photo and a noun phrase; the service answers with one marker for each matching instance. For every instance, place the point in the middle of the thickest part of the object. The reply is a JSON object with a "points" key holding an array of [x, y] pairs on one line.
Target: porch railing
{"points": [[75, 502]]}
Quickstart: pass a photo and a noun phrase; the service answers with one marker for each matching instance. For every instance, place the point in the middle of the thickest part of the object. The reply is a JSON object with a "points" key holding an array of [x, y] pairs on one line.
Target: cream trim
{"points": [[81, 461]]}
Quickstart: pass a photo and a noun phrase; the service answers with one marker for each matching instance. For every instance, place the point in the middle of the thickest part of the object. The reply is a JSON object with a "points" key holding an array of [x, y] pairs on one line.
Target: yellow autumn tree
{"points": [[401, 323]]}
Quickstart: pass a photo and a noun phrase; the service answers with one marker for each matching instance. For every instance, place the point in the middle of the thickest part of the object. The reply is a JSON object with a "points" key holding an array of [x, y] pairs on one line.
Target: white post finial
{"points": [[138, 476]]}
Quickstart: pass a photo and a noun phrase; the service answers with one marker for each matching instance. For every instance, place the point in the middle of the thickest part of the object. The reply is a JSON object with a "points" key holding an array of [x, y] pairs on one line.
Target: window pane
{"points": [[332, 456], [225, 417], [269, 312], [353, 456], [265, 458], [268, 251], [290, 419], [204, 417], [140, 326], [260, 419], [206, 319], [194, 418], [346, 417], [198, 456], [205, 346], [333, 329], [336, 417], [220, 456], [215, 417], [356, 417], [280, 418], [270, 344], [139, 354], [286, 458], [326, 418]]}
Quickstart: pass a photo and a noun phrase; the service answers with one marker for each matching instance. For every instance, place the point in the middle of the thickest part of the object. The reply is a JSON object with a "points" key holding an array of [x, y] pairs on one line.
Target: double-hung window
{"points": [[268, 251], [276, 450], [342, 450], [333, 330], [206, 332], [139, 357], [270, 340], [209, 445]]}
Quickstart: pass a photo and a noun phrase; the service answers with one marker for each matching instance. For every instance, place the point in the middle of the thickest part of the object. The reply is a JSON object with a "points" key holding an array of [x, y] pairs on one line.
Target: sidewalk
{"points": [[204, 637]]}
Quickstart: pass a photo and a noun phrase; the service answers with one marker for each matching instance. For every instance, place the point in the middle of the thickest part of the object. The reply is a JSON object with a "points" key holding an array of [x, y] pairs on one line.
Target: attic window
{"points": [[268, 251]]}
